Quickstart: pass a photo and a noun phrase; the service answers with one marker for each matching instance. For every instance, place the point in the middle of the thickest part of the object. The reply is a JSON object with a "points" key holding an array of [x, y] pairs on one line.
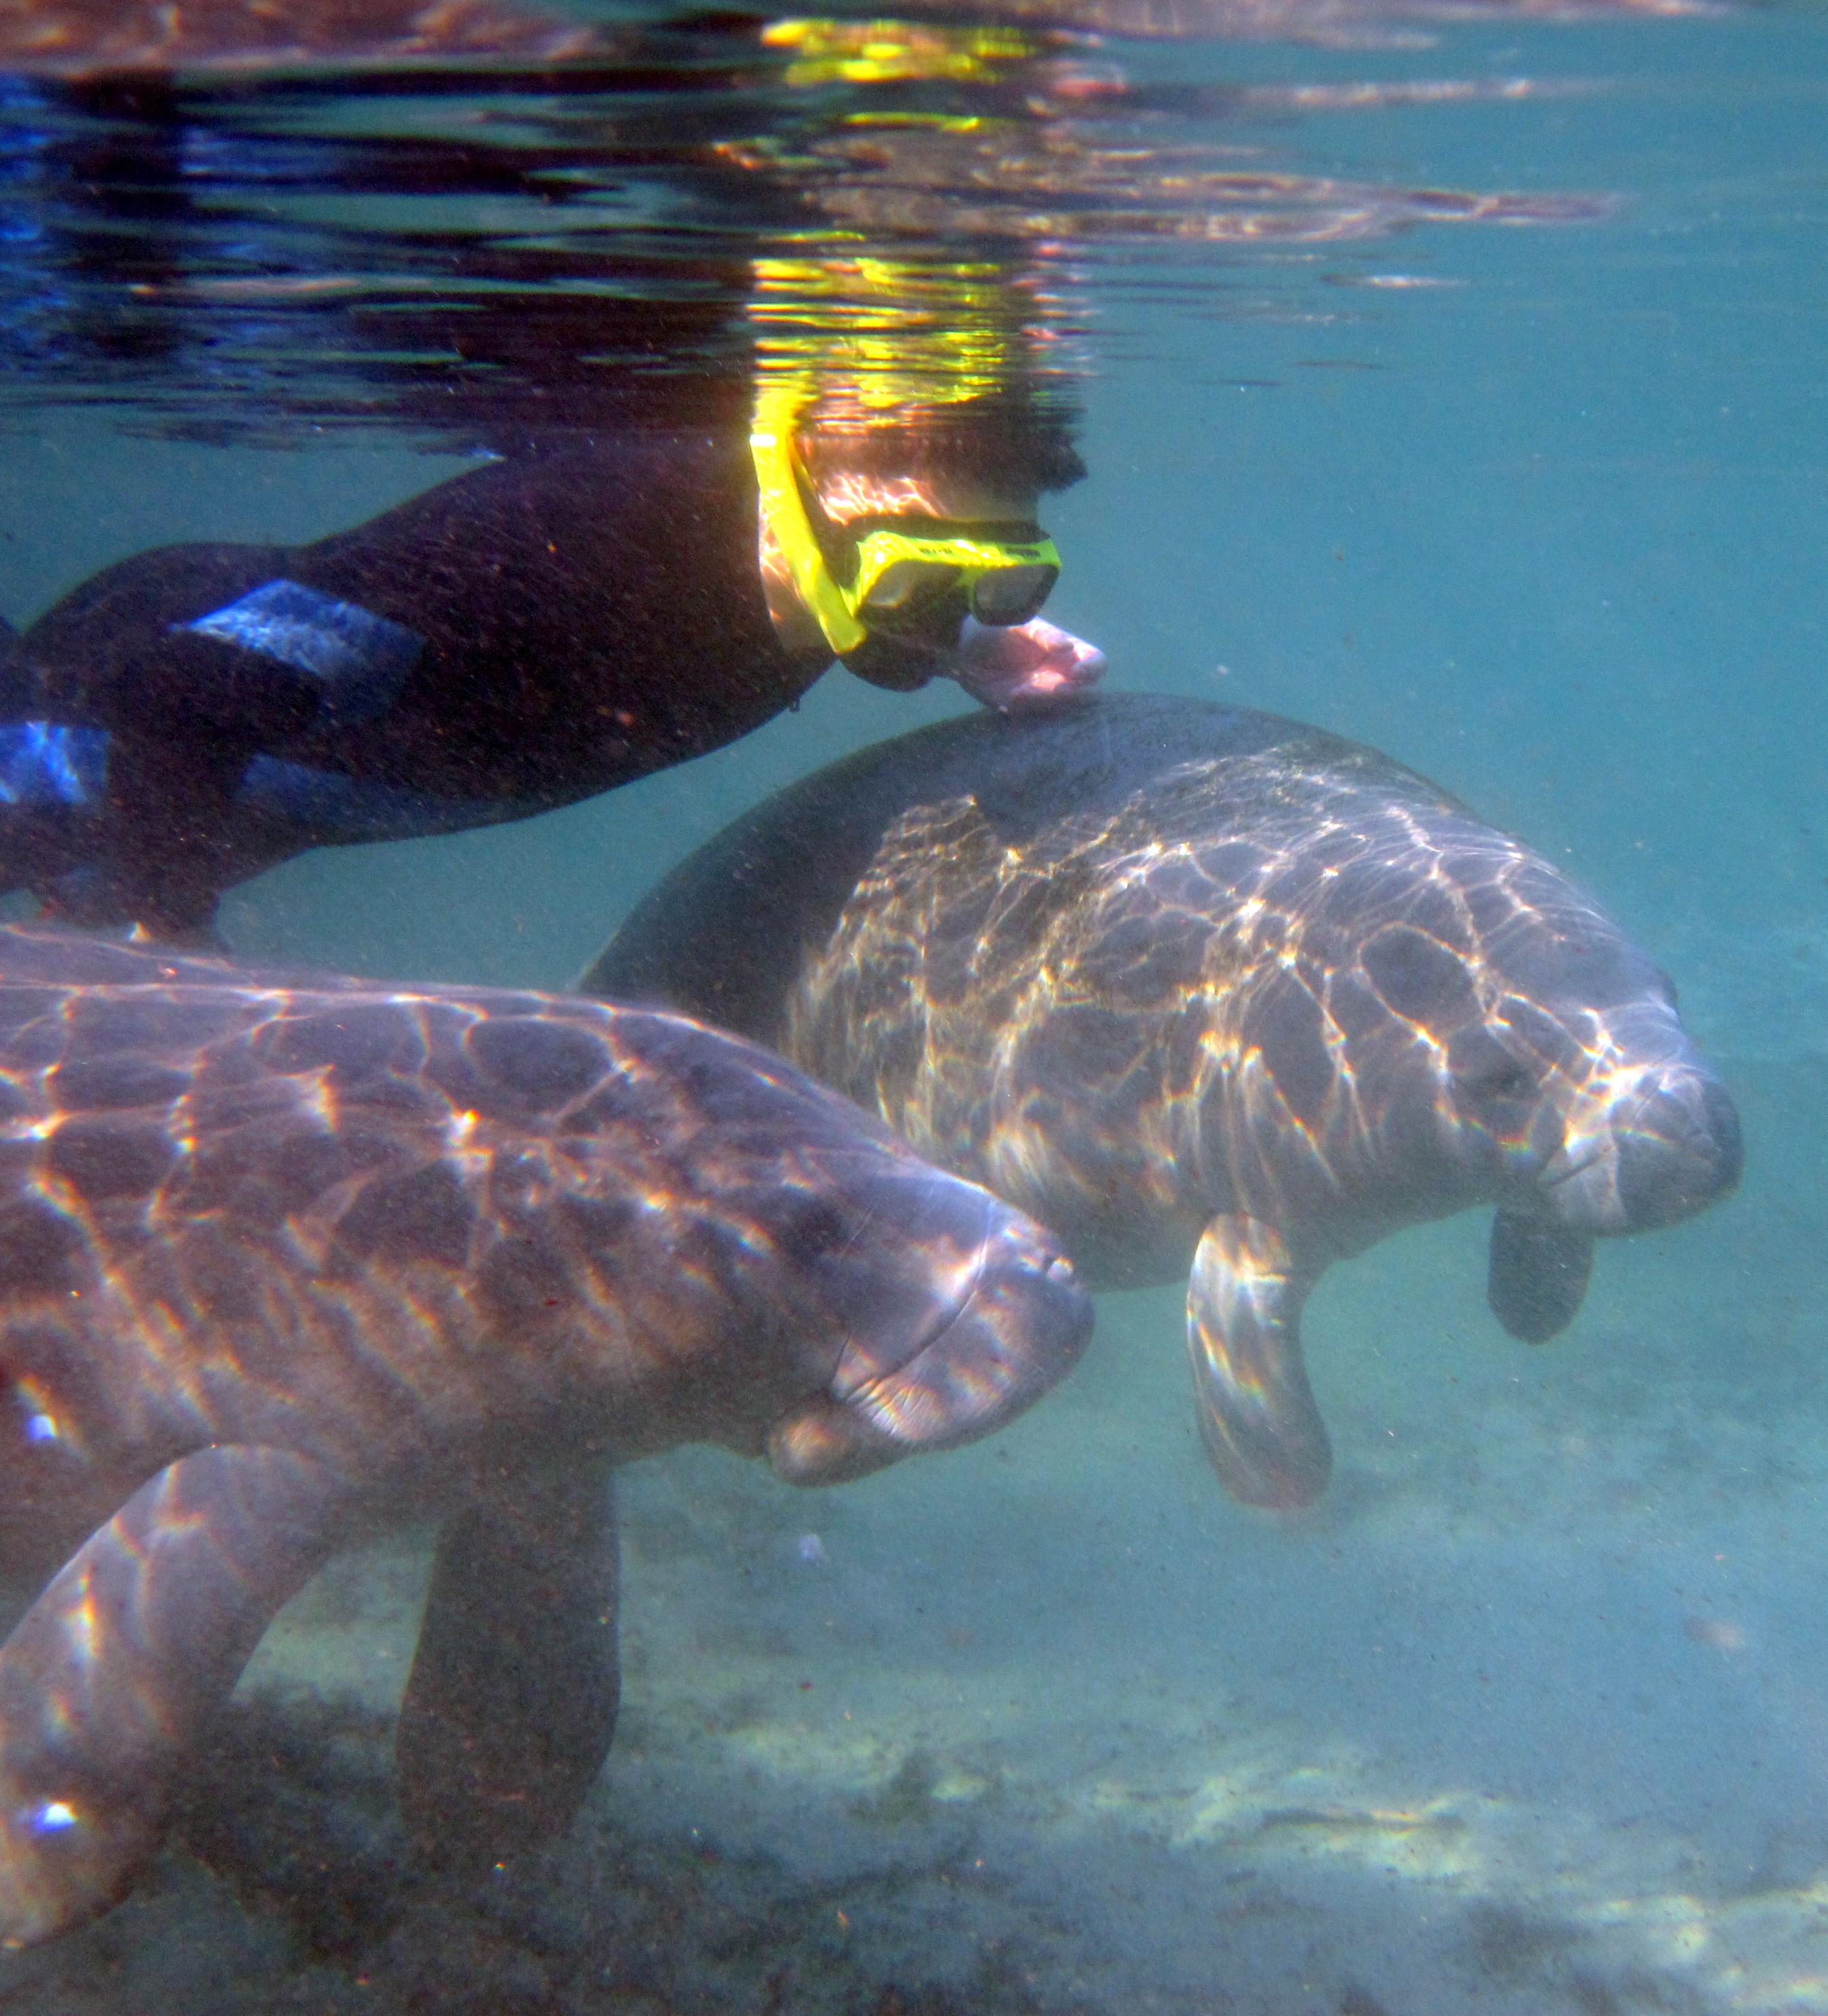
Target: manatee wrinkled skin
{"points": [[284, 1263], [1212, 994]]}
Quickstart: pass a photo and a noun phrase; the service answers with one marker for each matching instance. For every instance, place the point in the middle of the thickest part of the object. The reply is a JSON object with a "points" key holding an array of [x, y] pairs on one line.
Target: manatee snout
{"points": [[986, 1314], [1026, 1323], [1682, 1151], [1661, 1144]]}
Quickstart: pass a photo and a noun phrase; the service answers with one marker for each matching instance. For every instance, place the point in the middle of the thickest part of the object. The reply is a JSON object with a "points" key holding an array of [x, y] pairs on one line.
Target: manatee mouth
{"points": [[880, 1349], [1022, 1323], [947, 1324], [1668, 1150], [1575, 1165], [1018, 1322]]}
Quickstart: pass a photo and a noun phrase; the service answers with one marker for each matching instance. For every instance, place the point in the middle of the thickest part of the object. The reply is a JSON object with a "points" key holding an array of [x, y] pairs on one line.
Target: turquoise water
{"points": [[1529, 1715]]}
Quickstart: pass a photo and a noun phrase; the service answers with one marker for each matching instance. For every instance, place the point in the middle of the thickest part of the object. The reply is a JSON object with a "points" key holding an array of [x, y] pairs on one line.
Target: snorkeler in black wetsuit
{"points": [[565, 618]]}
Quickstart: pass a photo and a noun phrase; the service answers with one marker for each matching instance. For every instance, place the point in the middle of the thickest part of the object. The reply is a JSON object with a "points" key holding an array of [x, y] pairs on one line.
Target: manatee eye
{"points": [[1504, 1079], [810, 1229]]}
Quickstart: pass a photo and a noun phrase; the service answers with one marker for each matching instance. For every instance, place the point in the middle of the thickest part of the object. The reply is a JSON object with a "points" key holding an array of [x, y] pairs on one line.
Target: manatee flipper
{"points": [[1538, 1276], [1256, 1414], [511, 1704], [109, 1678]]}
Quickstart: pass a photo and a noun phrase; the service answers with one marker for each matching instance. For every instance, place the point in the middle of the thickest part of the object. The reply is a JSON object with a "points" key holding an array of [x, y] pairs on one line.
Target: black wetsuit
{"points": [[540, 629]]}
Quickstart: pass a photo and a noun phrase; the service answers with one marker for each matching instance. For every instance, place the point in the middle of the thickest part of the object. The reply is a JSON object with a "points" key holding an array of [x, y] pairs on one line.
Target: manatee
{"points": [[1209, 993], [285, 1262]]}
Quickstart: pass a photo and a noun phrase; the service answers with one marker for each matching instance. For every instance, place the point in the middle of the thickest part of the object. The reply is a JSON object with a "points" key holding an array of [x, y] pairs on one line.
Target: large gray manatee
{"points": [[1195, 985], [286, 1262]]}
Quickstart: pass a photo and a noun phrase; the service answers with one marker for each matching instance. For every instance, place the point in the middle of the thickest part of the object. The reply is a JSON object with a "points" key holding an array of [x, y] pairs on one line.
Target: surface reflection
{"points": [[466, 245]]}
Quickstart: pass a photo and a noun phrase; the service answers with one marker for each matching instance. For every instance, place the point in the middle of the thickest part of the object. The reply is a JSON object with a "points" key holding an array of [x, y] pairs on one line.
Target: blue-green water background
{"points": [[1551, 529]]}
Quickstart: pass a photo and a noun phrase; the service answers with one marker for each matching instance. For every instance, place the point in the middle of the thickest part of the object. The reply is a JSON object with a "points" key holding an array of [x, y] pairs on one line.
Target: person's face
{"points": [[917, 600]]}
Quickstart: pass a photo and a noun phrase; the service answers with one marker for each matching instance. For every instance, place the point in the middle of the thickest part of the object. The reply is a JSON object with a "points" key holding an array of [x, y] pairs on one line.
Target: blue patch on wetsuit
{"points": [[360, 660], [335, 807], [43, 763]]}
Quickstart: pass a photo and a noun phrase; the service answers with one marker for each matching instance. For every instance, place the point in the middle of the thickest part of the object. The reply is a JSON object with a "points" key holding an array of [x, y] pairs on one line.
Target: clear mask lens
{"points": [[908, 583], [1011, 595]]}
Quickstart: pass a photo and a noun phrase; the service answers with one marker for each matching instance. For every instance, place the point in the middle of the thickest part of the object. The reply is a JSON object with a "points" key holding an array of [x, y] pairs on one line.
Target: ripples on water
{"points": [[1528, 1718], [463, 242]]}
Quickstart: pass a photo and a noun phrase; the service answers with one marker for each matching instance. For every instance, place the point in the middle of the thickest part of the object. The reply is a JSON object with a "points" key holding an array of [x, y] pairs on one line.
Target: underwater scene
{"points": [[913, 949]]}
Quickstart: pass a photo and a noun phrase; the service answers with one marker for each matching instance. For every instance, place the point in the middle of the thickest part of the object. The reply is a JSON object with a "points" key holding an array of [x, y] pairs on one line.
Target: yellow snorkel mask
{"points": [[894, 573]]}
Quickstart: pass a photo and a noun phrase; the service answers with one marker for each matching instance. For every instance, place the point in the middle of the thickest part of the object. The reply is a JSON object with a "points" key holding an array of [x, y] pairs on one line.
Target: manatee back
{"points": [[401, 1229], [725, 936], [205, 1165]]}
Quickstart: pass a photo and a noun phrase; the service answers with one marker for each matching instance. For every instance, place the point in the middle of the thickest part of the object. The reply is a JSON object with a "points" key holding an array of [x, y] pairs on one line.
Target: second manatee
{"points": [[1208, 992]]}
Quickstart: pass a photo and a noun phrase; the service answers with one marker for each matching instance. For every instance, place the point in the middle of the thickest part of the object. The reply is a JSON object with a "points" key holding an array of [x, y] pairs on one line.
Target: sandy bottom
{"points": [[1530, 1716]]}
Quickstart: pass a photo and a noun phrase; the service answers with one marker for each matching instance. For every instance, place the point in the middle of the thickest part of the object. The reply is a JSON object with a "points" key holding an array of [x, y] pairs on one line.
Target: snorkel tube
{"points": [[778, 405]]}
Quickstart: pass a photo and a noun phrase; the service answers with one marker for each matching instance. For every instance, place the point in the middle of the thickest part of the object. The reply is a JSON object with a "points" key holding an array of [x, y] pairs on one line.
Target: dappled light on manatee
{"points": [[1217, 996], [284, 1266], [449, 453]]}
